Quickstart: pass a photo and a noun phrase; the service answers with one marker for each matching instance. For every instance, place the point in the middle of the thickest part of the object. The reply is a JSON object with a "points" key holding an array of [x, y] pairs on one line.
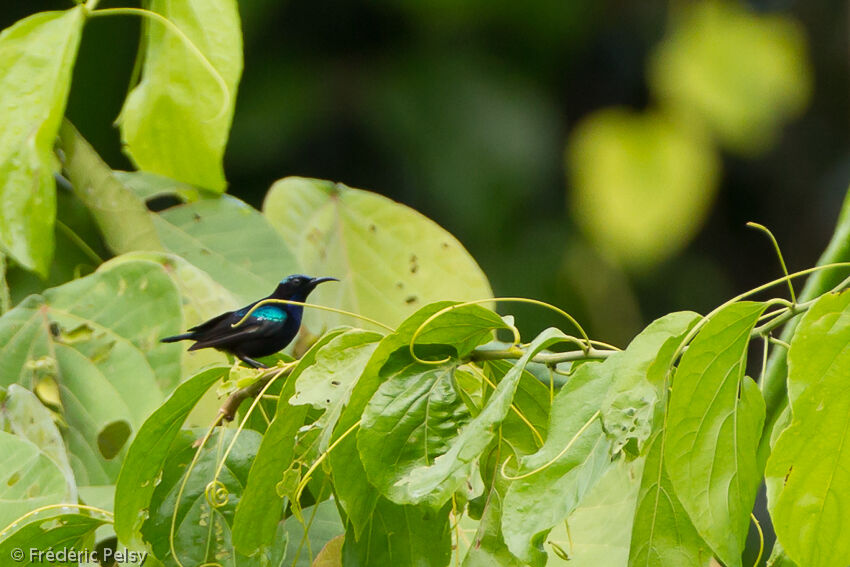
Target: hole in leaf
{"points": [[162, 202], [112, 438]]}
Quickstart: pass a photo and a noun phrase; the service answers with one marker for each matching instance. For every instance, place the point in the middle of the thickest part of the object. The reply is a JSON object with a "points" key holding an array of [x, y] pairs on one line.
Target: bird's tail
{"points": [[176, 338]]}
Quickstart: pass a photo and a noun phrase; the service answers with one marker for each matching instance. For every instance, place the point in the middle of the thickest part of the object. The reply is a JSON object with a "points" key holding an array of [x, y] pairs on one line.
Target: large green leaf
{"points": [[391, 259], [97, 337], [417, 440], [403, 536], [353, 490], [261, 507], [29, 478], [22, 414], [120, 215], [741, 74], [230, 241], [148, 453], [808, 473], [713, 428], [641, 186], [36, 62], [175, 122]]}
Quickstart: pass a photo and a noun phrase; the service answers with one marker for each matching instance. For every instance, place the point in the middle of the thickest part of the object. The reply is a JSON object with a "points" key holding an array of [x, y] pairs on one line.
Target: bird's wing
{"points": [[208, 325], [224, 334]]}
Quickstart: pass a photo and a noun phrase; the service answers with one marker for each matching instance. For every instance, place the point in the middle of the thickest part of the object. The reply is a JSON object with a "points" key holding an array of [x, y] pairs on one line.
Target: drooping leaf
{"points": [[391, 259], [662, 532], [418, 400], [175, 122], [261, 507], [550, 483], [739, 73], [713, 428], [403, 536], [641, 186], [22, 414], [208, 496], [69, 531], [808, 472], [29, 478], [230, 241], [121, 216], [532, 401], [150, 448], [37, 57]]}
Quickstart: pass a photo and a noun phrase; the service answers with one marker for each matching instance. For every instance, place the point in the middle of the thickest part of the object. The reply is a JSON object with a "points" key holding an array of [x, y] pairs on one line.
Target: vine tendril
{"points": [[314, 306]]}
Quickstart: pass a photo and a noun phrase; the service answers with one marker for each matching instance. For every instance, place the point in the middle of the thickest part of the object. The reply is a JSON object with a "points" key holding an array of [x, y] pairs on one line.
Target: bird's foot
{"points": [[251, 362]]}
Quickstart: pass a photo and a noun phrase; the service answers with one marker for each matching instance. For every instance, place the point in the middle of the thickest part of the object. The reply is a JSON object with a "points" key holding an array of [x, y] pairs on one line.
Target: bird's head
{"points": [[298, 286]]}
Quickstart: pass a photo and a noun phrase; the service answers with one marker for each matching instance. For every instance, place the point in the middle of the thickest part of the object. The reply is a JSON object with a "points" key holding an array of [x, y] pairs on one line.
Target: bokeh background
{"points": [[600, 155]]}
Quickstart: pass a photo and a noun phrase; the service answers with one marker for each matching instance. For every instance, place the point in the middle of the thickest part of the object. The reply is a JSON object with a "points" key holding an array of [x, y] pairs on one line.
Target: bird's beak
{"points": [[316, 281]]}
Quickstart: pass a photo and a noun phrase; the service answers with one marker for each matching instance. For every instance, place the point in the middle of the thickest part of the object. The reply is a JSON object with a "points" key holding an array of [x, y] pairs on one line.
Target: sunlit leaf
{"points": [[391, 259], [808, 473], [714, 424], [37, 57], [641, 186], [175, 122]]}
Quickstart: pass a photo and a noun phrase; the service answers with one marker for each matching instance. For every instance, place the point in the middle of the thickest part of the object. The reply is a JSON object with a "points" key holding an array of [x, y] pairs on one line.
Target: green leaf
{"points": [[37, 55], [630, 406], [391, 259], [807, 473], [230, 241], [642, 187], [713, 429], [175, 122], [662, 533], [351, 486], [409, 440], [22, 414], [553, 480], [532, 401], [121, 216], [206, 503], [327, 384], [29, 478], [602, 408], [323, 525], [148, 453], [97, 338], [55, 533], [739, 73], [600, 529], [401, 536], [261, 507]]}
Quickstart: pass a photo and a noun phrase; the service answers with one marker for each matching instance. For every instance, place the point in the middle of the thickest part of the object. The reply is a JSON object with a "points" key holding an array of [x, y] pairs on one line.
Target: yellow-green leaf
{"points": [[391, 260], [641, 186], [176, 121], [36, 62]]}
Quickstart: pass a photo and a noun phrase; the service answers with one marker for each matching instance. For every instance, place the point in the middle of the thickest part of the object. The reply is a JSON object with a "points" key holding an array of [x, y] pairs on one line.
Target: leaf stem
{"points": [[81, 244], [546, 358]]}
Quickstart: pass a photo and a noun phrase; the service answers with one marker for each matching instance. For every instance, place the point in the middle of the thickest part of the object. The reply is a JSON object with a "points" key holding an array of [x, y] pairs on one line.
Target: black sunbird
{"points": [[268, 330]]}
